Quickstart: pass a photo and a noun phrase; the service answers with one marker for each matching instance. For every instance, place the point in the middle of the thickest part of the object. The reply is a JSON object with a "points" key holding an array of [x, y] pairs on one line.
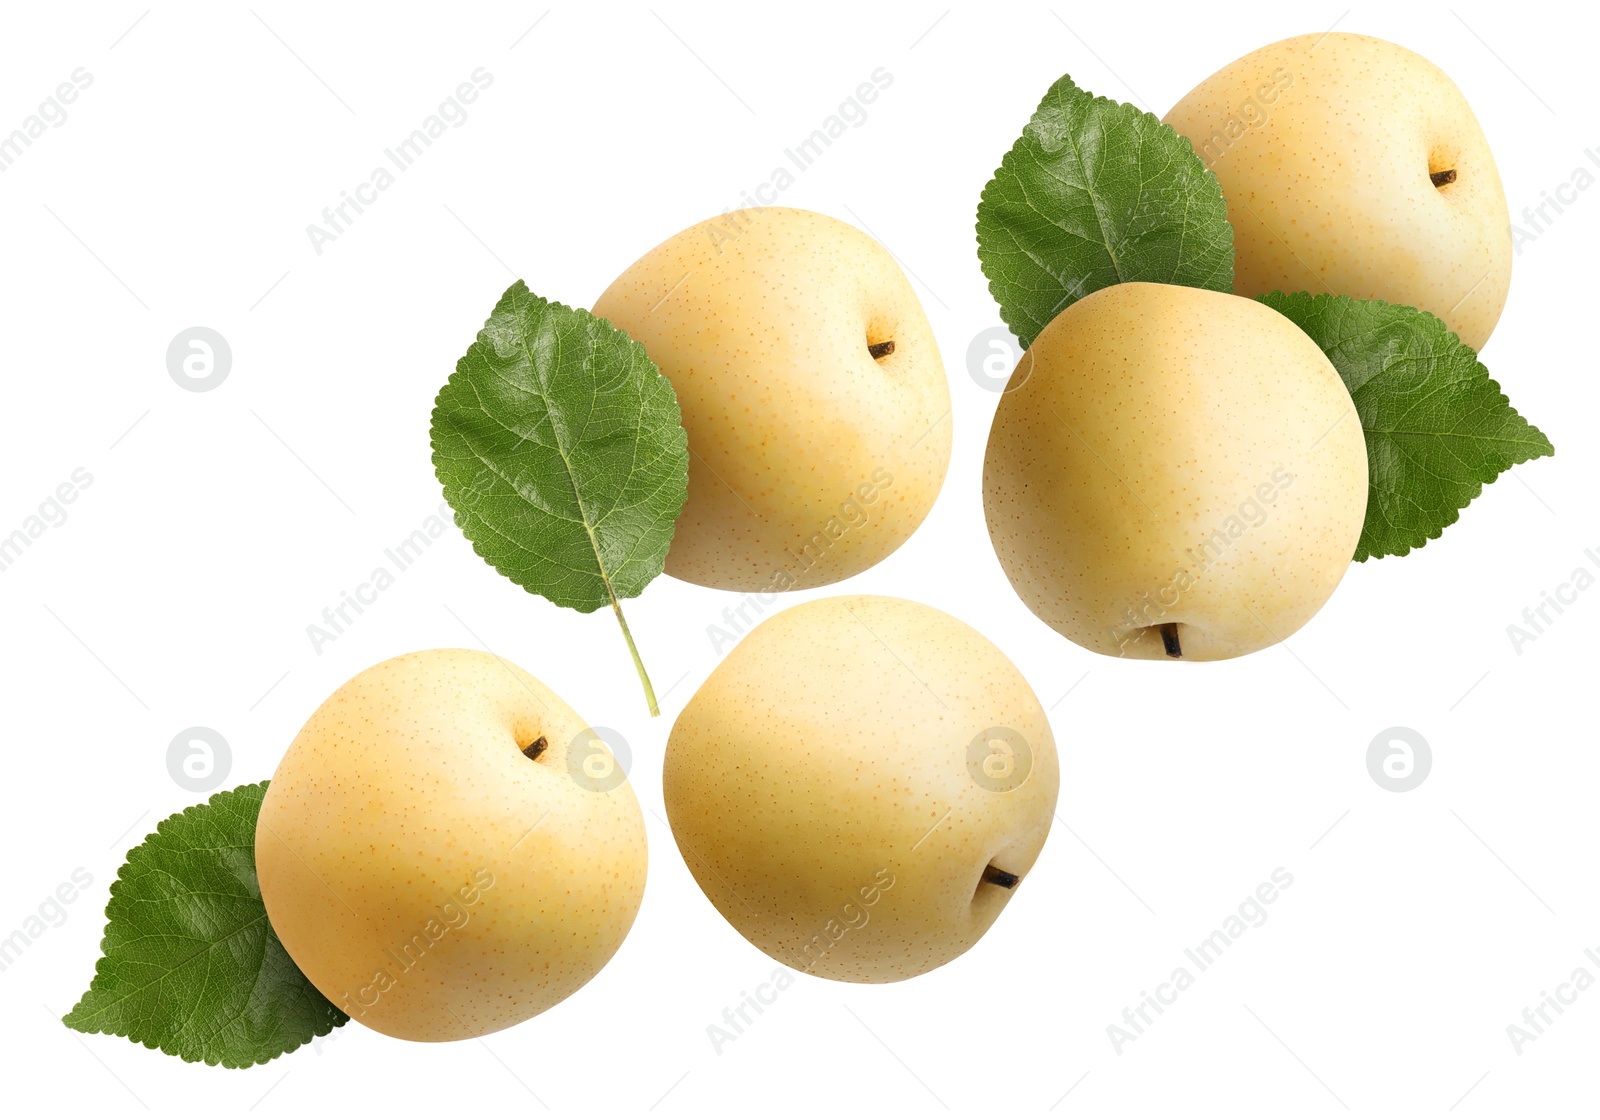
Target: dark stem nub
{"points": [[1169, 639], [1440, 178], [993, 874], [536, 748], [881, 349]]}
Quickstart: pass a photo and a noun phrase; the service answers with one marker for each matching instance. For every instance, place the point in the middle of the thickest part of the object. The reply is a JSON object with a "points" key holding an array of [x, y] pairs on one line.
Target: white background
{"points": [[220, 524]]}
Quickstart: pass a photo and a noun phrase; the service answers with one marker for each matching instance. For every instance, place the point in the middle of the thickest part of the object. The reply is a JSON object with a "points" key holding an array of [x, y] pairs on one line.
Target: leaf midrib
{"points": [[566, 463], [209, 947]]}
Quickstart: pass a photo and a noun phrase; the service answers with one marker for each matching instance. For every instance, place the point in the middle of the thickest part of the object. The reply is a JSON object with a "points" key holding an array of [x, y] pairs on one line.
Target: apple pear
{"points": [[447, 848], [861, 786], [812, 392], [1351, 165], [1174, 474]]}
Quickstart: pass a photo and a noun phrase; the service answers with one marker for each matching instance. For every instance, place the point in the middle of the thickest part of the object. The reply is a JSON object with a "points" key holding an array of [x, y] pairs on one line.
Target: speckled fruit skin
{"points": [[1326, 174], [1141, 420], [810, 461], [818, 786], [401, 816]]}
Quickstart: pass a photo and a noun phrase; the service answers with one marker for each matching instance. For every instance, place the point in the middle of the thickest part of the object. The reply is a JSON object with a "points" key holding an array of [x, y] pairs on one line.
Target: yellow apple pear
{"points": [[1351, 165], [812, 392], [1175, 474], [447, 848], [860, 786]]}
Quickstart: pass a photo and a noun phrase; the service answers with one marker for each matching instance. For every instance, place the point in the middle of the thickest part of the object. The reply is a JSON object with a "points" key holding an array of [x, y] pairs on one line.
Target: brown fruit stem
{"points": [[993, 874], [1169, 639], [1440, 178], [881, 349], [536, 748]]}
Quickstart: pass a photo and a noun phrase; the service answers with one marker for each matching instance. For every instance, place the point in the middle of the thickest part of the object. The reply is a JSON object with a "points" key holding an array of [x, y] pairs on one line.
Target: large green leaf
{"points": [[562, 451], [1438, 428], [1097, 193], [190, 964]]}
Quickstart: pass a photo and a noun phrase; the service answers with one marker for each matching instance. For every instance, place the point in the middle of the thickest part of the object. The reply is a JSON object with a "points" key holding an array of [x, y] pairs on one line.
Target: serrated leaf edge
{"points": [[450, 492], [1006, 162], [101, 979], [1450, 517]]}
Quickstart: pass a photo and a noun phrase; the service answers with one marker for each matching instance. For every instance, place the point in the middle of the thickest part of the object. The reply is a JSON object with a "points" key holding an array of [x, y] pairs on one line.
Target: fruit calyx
{"points": [[536, 748], [993, 874], [1440, 178], [880, 350]]}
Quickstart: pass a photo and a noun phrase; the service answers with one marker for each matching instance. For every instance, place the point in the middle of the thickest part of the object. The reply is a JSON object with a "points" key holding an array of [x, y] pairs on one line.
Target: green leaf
{"points": [[1097, 193], [562, 451], [1438, 428], [190, 964]]}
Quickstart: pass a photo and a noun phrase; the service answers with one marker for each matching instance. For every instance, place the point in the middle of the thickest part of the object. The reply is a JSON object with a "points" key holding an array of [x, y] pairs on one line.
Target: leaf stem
{"points": [[644, 678]]}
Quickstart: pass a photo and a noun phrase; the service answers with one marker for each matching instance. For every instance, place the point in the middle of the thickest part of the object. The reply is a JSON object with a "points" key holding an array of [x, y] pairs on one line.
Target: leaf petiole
{"points": [[561, 448], [644, 677]]}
